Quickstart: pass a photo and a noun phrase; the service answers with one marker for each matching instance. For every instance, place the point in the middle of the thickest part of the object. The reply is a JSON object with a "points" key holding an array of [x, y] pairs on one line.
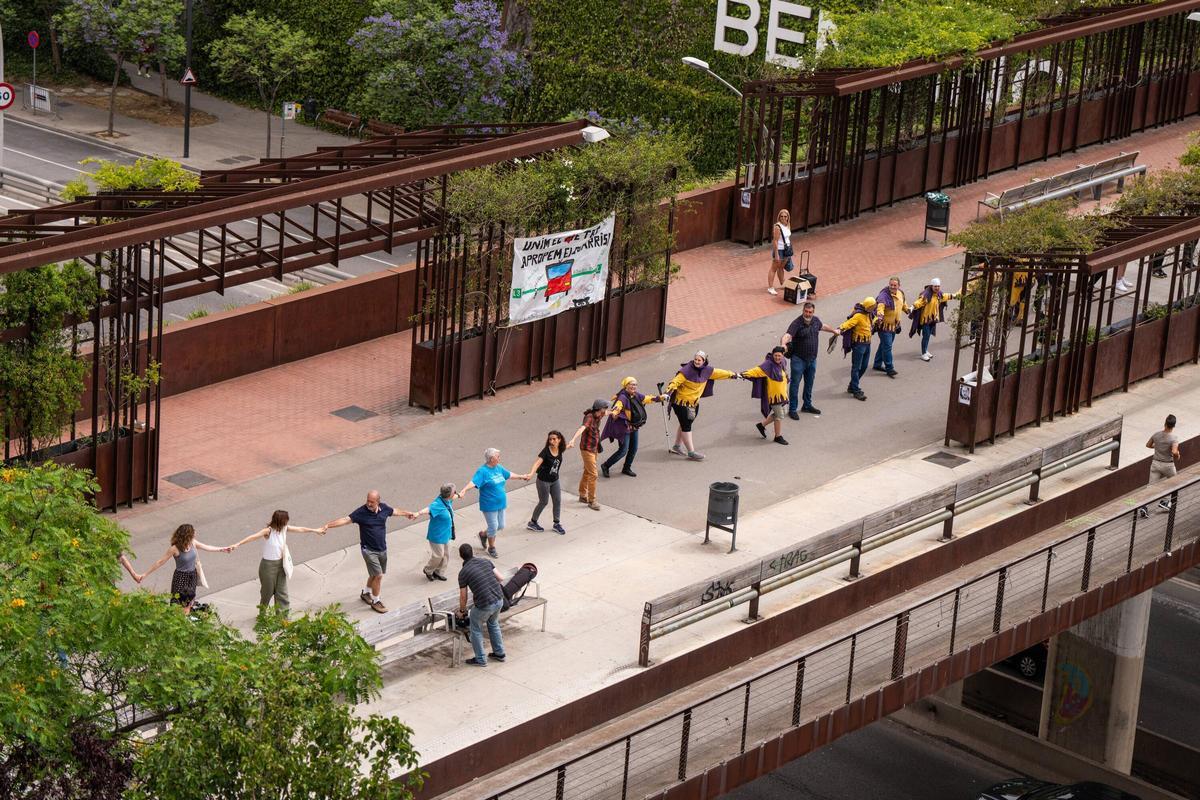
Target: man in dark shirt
{"points": [[371, 519], [802, 340], [478, 575]]}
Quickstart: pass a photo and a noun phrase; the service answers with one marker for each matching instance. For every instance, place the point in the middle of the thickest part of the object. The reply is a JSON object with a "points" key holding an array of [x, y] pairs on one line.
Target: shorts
{"points": [[778, 411], [686, 416], [376, 562], [495, 522], [183, 587]]}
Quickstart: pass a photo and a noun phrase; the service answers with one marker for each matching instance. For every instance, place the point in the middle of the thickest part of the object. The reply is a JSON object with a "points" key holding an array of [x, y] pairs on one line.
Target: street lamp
{"points": [[702, 66], [1194, 16], [594, 133]]}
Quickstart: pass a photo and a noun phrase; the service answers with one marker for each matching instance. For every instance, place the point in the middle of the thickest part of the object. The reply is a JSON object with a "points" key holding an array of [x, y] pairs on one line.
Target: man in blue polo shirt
{"points": [[371, 519]]}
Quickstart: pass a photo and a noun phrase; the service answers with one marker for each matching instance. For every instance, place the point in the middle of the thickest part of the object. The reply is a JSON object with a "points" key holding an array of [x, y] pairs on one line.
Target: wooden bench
{"points": [[1072, 182], [414, 618], [380, 128], [446, 603], [349, 123]]}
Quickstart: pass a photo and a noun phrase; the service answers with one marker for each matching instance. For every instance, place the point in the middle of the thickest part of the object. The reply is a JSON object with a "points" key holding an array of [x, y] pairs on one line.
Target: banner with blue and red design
{"points": [[558, 271]]}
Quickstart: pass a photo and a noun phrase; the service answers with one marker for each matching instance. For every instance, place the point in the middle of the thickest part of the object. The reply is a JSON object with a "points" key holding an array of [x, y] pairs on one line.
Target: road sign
{"points": [[189, 77], [33, 39], [7, 95], [289, 109]]}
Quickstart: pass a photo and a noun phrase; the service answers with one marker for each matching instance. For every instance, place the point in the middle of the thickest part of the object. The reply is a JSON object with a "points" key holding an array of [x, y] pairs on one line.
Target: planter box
{"points": [[132, 477]]}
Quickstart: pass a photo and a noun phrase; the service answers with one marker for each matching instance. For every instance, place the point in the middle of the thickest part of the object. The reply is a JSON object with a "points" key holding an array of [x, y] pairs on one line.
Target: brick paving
{"points": [[263, 423]]}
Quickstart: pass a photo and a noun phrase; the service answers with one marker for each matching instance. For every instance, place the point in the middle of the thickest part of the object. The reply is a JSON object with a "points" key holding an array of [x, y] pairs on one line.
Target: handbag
{"points": [[449, 508], [288, 566], [200, 574], [787, 252]]}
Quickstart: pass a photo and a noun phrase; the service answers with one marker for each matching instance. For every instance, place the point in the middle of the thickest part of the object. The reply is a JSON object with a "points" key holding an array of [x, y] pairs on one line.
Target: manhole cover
{"points": [[942, 458], [673, 331], [189, 479], [354, 413]]}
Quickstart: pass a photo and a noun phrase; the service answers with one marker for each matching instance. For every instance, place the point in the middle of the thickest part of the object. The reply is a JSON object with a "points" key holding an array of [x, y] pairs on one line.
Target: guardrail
{"points": [[30, 185], [847, 542], [1118, 555]]}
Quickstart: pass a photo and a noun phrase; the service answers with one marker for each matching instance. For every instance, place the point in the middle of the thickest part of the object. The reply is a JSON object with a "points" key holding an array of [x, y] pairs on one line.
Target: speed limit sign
{"points": [[7, 95]]}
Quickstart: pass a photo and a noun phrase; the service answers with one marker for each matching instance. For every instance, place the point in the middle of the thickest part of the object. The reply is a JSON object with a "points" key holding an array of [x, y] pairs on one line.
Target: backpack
{"points": [[518, 583], [637, 413]]}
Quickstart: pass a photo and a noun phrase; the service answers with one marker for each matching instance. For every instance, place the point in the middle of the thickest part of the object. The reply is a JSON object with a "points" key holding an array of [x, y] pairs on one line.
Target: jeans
{"points": [[801, 369], [495, 522], [477, 617], [883, 356], [546, 493], [860, 359], [926, 332], [627, 448]]}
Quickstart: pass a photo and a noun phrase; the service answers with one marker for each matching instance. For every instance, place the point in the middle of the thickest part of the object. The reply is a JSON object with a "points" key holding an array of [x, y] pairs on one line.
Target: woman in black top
{"points": [[547, 467]]}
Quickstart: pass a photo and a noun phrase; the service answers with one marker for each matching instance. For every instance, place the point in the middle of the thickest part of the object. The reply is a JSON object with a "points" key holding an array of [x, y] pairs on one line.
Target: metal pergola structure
{"points": [[148, 248], [834, 143]]}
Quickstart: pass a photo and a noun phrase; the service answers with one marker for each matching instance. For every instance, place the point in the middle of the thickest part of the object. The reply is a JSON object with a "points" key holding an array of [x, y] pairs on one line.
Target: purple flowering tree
{"points": [[426, 66], [129, 30]]}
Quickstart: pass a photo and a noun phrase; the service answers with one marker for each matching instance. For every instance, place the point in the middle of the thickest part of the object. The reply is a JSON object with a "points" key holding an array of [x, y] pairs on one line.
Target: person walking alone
{"points": [[858, 328], [490, 480], [626, 419], [803, 340], [1165, 444], [692, 383], [928, 312], [770, 387], [546, 467], [588, 437], [439, 533], [781, 251], [187, 576], [487, 594], [273, 573], [889, 305], [371, 519]]}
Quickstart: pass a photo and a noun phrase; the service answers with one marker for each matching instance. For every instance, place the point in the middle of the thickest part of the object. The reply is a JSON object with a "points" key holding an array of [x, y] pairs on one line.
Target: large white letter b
{"points": [[746, 26]]}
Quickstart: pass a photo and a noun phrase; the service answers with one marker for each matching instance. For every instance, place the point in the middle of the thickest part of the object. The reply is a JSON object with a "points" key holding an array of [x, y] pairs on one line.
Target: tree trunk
{"points": [[55, 51], [162, 77], [270, 107], [112, 95]]}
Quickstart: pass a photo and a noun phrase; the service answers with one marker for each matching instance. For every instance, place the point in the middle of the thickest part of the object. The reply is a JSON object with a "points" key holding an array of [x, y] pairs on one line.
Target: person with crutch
{"points": [[627, 417], [693, 382]]}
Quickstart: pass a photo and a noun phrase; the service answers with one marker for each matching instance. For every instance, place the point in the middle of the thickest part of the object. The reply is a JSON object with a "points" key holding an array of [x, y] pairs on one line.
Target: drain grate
{"points": [[673, 331], [189, 479], [354, 413], [944, 459]]}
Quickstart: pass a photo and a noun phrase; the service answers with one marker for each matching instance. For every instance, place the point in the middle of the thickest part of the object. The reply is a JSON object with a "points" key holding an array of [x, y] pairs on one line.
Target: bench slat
{"points": [[417, 644]]}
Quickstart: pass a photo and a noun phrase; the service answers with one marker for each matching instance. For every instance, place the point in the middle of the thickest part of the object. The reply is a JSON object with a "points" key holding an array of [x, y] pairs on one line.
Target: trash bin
{"points": [[310, 109], [723, 510], [937, 214]]}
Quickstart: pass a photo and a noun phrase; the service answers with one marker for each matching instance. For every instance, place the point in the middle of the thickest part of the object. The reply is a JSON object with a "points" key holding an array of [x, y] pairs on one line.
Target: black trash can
{"points": [[937, 214], [310, 109], [722, 510]]}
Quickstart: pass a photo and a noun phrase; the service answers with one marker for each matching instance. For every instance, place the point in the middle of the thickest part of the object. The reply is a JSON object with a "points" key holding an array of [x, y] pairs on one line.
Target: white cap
{"points": [[935, 281]]}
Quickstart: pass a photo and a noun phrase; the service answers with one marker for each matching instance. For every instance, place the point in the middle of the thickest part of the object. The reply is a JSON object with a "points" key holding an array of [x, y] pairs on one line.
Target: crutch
{"points": [[666, 419]]}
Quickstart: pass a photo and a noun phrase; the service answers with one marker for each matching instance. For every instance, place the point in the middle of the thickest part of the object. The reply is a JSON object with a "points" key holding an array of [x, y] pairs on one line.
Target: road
{"points": [[1170, 702], [34, 150], [898, 763]]}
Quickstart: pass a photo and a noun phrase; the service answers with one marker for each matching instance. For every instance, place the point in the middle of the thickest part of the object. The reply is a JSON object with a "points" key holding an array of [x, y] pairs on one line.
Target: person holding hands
{"points": [[188, 572], [371, 518], [490, 479], [276, 565]]}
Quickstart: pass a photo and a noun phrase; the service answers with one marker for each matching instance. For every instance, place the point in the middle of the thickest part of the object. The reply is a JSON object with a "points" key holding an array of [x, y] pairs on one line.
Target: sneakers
{"points": [[926, 356], [780, 440], [378, 607], [439, 576], [482, 539], [594, 506], [604, 470], [860, 396], [629, 472], [559, 529], [1142, 513], [695, 456], [533, 526], [1123, 286], [497, 657], [891, 373], [1160, 273], [762, 431], [1164, 504], [793, 415], [475, 662], [771, 290], [583, 500], [492, 552], [429, 576], [365, 596], [678, 450], [811, 410]]}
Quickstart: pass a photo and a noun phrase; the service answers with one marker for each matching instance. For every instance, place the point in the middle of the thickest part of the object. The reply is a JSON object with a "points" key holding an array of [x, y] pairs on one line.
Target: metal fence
{"points": [[693, 740]]}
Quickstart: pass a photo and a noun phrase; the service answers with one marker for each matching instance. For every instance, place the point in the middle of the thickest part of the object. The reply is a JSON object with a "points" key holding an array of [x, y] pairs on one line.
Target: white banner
{"points": [[558, 271]]}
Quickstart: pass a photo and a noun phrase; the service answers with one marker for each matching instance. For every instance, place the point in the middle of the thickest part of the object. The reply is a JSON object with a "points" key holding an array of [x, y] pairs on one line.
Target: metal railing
{"points": [[691, 741], [30, 185], [848, 542]]}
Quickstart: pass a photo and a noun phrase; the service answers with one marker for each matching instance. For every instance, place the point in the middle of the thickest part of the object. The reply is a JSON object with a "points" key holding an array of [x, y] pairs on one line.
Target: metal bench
{"points": [[414, 618], [1071, 182], [349, 123], [380, 128], [446, 603]]}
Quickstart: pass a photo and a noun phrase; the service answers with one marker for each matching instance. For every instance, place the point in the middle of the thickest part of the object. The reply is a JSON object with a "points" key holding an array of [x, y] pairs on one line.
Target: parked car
{"points": [[1030, 789], [1030, 662]]}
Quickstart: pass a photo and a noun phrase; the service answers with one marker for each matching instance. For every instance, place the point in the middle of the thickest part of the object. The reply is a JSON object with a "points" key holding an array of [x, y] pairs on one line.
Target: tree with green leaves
{"points": [[85, 668], [128, 29], [264, 51], [145, 173]]}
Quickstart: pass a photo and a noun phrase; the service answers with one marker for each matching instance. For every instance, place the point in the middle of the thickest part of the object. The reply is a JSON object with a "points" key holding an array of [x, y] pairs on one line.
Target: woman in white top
{"points": [[782, 240], [273, 581]]}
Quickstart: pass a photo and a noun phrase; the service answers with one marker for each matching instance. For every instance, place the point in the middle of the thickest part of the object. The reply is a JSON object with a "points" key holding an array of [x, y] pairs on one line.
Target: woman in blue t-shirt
{"points": [[490, 479], [439, 533]]}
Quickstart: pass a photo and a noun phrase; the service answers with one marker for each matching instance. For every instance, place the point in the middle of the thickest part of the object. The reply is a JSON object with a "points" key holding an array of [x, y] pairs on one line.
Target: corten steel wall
{"points": [[859, 139], [661, 679]]}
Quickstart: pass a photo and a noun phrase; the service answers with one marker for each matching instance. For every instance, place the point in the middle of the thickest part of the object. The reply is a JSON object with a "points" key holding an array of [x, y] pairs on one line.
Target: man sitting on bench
{"points": [[483, 579]]}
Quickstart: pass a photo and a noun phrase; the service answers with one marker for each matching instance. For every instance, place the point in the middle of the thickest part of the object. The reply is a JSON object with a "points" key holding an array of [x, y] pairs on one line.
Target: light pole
{"points": [[702, 66], [3, 114], [187, 89]]}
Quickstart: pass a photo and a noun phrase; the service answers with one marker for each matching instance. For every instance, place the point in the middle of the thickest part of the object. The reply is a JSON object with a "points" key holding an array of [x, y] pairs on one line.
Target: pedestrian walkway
{"points": [[280, 418]]}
